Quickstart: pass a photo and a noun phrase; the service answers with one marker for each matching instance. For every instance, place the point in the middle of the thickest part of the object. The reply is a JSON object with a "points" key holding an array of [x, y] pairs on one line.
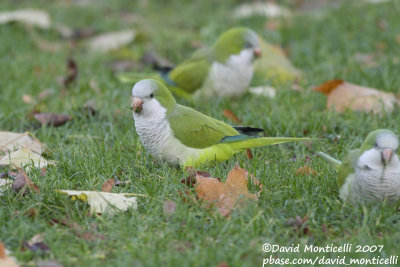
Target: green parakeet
{"points": [[273, 67], [372, 172], [225, 69], [185, 137]]}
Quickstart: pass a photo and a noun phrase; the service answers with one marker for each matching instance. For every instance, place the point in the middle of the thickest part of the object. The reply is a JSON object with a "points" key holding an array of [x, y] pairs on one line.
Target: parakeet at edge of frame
{"points": [[184, 137], [372, 172], [225, 69]]}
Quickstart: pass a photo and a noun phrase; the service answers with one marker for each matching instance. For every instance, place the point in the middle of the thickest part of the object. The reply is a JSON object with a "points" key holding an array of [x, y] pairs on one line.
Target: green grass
{"points": [[91, 150]]}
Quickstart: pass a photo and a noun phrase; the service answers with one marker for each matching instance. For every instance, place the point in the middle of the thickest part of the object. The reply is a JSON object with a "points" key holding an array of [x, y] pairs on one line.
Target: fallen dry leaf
{"points": [[169, 207], [266, 91], [90, 236], [72, 72], [231, 116], [51, 119], [156, 61], [225, 196], [108, 185], [111, 41], [249, 154], [4, 260], [305, 170], [28, 99], [23, 158], [101, 202], [299, 225], [267, 9], [89, 108], [10, 141], [36, 243], [32, 212], [22, 182], [45, 94], [343, 95], [31, 17]]}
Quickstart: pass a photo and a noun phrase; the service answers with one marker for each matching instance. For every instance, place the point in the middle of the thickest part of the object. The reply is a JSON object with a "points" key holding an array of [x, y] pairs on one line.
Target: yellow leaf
{"points": [[101, 202], [23, 157], [38, 18], [10, 141], [111, 41]]}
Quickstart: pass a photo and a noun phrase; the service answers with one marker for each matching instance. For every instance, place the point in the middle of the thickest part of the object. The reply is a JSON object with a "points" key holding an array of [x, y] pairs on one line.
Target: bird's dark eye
{"points": [[376, 145], [151, 95], [247, 45]]}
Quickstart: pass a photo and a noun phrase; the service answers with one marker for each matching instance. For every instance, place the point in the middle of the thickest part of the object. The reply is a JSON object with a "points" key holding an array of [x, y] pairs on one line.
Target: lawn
{"points": [[323, 42]]}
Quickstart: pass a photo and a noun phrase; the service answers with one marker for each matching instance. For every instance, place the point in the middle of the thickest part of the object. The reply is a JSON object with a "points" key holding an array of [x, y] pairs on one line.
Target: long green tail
{"points": [[263, 141], [334, 162]]}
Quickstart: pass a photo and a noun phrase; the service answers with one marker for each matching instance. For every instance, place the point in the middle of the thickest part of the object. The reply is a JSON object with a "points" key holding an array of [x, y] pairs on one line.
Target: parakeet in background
{"points": [[185, 137], [372, 172], [225, 69], [273, 67]]}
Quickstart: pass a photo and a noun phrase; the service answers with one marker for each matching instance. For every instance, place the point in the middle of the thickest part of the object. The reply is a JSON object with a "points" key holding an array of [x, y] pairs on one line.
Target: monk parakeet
{"points": [[185, 137], [225, 69], [371, 172]]}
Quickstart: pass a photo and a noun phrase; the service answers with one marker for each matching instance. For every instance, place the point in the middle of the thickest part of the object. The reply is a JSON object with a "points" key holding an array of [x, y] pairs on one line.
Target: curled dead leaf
{"points": [[343, 95], [72, 72], [10, 141], [4, 259], [51, 119], [108, 185], [36, 243], [22, 182], [231, 116], [224, 195], [305, 170], [111, 41]]}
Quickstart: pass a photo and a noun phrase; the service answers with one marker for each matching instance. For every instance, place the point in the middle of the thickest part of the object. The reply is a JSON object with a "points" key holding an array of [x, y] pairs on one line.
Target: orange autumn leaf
{"points": [[224, 195], [305, 170], [4, 259], [108, 185], [249, 154], [231, 116], [342, 95]]}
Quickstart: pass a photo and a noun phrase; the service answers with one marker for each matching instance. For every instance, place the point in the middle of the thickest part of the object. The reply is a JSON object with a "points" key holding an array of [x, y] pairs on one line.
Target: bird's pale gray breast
{"points": [[377, 184], [153, 135]]}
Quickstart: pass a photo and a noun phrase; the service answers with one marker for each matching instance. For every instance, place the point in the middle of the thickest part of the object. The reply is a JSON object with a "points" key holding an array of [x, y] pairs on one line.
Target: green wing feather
{"points": [[348, 166], [191, 74], [197, 130]]}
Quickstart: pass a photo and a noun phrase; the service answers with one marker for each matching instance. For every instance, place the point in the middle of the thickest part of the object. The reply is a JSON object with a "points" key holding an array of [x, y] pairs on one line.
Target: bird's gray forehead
{"points": [[387, 139], [252, 38], [144, 88]]}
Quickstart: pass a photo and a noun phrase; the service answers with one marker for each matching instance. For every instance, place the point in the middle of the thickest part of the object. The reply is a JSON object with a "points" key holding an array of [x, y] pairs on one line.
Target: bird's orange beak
{"points": [[257, 52], [137, 104], [387, 155]]}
